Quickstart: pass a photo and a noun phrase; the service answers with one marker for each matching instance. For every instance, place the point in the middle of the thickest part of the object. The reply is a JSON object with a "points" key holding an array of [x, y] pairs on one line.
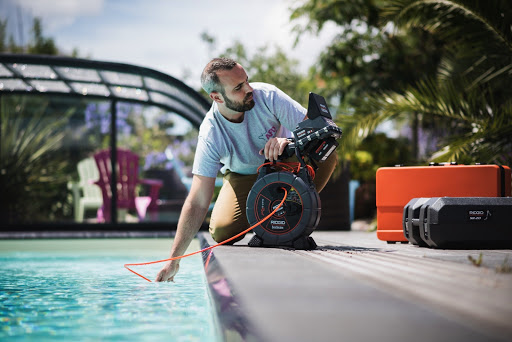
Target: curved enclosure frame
{"points": [[118, 89], [51, 75]]}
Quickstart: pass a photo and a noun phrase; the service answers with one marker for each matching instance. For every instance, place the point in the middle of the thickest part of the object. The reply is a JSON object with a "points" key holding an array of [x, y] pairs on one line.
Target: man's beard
{"points": [[240, 107]]}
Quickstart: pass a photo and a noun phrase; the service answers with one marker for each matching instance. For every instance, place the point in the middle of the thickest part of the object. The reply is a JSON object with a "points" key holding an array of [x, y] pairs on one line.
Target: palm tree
{"points": [[471, 87]]}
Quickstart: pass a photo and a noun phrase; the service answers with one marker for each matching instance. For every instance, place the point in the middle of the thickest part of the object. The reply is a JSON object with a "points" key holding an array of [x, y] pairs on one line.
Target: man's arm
{"points": [[191, 218]]}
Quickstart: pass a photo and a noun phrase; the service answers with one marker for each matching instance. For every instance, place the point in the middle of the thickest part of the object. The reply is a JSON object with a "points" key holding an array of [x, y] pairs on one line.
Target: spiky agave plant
{"points": [[29, 164]]}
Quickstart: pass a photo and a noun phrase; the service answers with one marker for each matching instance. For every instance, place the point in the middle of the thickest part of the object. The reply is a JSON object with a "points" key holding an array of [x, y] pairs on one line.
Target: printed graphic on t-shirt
{"points": [[270, 133]]}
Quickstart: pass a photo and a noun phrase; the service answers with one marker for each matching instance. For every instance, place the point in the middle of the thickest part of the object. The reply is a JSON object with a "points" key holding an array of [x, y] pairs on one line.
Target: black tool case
{"points": [[458, 222]]}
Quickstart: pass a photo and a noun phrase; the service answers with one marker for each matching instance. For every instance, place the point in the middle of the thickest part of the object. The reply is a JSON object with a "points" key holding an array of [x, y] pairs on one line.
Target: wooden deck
{"points": [[354, 287]]}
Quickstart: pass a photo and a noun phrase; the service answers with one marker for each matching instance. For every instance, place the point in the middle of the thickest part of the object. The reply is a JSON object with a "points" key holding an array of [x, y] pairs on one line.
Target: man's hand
{"points": [[168, 272], [274, 148]]}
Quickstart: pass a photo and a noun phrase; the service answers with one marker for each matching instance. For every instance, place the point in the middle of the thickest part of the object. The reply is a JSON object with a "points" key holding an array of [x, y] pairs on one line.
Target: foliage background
{"points": [[409, 81]]}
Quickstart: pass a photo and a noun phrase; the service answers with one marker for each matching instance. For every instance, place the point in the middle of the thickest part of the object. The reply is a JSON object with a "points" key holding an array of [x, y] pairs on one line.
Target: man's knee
{"points": [[325, 171], [228, 217], [222, 234]]}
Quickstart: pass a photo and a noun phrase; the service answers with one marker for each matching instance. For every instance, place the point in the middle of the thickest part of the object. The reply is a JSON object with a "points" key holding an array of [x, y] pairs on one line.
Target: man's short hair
{"points": [[209, 79]]}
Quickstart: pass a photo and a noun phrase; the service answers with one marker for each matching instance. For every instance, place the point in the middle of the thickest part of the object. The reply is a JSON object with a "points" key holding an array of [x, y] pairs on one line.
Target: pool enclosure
{"points": [[66, 123]]}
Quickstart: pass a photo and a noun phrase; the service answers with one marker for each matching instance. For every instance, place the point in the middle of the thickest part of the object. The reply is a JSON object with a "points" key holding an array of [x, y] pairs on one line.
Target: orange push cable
{"points": [[207, 248]]}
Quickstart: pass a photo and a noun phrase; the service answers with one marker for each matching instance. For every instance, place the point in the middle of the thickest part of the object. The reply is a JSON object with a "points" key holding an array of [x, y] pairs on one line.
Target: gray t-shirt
{"points": [[224, 145]]}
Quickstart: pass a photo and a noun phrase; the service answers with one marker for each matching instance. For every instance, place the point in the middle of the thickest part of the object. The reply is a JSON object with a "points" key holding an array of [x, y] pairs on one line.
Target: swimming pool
{"points": [[78, 289]]}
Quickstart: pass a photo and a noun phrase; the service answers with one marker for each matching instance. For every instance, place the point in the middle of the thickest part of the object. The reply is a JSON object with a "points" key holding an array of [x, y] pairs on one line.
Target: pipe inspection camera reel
{"points": [[290, 226]]}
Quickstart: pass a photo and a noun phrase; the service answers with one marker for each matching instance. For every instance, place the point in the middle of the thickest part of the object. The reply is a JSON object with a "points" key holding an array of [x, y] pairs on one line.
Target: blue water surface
{"points": [[79, 295]]}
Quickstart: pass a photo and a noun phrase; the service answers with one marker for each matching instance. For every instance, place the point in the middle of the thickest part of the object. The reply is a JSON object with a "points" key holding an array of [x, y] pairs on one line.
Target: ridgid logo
{"points": [[270, 133]]}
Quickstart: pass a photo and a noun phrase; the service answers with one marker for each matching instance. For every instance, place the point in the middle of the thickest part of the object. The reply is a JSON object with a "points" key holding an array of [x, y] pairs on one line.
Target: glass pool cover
{"points": [[65, 77], [51, 75], [70, 290]]}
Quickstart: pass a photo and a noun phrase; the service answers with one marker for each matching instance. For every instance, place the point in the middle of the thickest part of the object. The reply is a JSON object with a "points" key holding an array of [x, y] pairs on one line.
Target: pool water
{"points": [[78, 290]]}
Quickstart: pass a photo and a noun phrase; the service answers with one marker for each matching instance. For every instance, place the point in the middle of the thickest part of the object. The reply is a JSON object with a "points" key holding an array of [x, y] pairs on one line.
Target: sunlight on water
{"points": [[63, 296]]}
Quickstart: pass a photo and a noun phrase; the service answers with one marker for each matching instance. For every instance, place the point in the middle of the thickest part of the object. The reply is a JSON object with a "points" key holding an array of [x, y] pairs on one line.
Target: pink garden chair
{"points": [[127, 174]]}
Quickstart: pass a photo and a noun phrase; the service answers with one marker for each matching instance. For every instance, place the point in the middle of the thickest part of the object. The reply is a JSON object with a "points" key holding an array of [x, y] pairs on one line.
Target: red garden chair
{"points": [[127, 179]]}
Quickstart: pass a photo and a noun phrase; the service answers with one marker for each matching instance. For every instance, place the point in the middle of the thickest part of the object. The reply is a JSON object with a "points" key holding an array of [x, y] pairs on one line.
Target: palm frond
{"points": [[446, 18], [358, 126], [482, 129]]}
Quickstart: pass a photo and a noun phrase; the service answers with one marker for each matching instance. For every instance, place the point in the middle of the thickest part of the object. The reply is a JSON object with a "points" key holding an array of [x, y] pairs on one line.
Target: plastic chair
{"points": [[86, 195], [127, 174]]}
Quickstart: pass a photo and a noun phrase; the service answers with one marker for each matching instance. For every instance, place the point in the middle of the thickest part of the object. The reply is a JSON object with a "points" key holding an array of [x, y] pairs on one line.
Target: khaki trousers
{"points": [[228, 216]]}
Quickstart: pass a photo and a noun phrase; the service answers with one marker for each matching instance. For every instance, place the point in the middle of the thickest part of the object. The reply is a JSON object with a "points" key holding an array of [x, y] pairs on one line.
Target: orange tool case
{"points": [[396, 186]]}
